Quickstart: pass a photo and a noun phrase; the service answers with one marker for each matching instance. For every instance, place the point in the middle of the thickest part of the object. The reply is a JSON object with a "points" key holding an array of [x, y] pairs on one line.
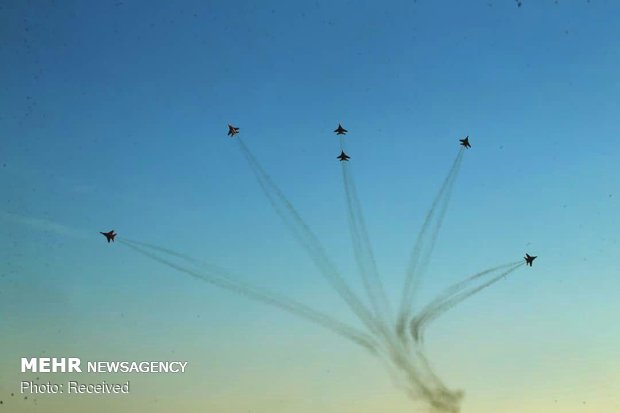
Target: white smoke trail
{"points": [[425, 244], [441, 305], [224, 281], [363, 252], [305, 236]]}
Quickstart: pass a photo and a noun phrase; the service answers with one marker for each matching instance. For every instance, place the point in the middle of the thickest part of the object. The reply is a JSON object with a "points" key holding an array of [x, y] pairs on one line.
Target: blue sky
{"points": [[114, 114]]}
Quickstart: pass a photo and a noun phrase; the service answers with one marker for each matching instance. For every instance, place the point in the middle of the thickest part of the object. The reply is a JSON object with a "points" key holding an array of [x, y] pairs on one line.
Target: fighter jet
{"points": [[232, 131], [340, 130], [343, 156], [465, 142], [109, 235], [529, 259]]}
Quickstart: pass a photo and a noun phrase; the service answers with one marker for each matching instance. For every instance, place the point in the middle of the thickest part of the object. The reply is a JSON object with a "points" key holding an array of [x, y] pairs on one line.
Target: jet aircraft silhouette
{"points": [[340, 130], [529, 259], [465, 142], [232, 131], [109, 235]]}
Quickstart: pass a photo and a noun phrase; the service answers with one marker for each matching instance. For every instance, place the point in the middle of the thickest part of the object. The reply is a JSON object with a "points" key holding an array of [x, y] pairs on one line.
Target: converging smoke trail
{"points": [[443, 208], [363, 250], [283, 303], [461, 285], [308, 240], [423, 385], [423, 248], [419, 381], [437, 308], [175, 254], [425, 244]]}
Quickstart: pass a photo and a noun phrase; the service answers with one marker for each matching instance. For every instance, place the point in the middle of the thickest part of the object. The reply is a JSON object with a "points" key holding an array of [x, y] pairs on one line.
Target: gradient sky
{"points": [[113, 114]]}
